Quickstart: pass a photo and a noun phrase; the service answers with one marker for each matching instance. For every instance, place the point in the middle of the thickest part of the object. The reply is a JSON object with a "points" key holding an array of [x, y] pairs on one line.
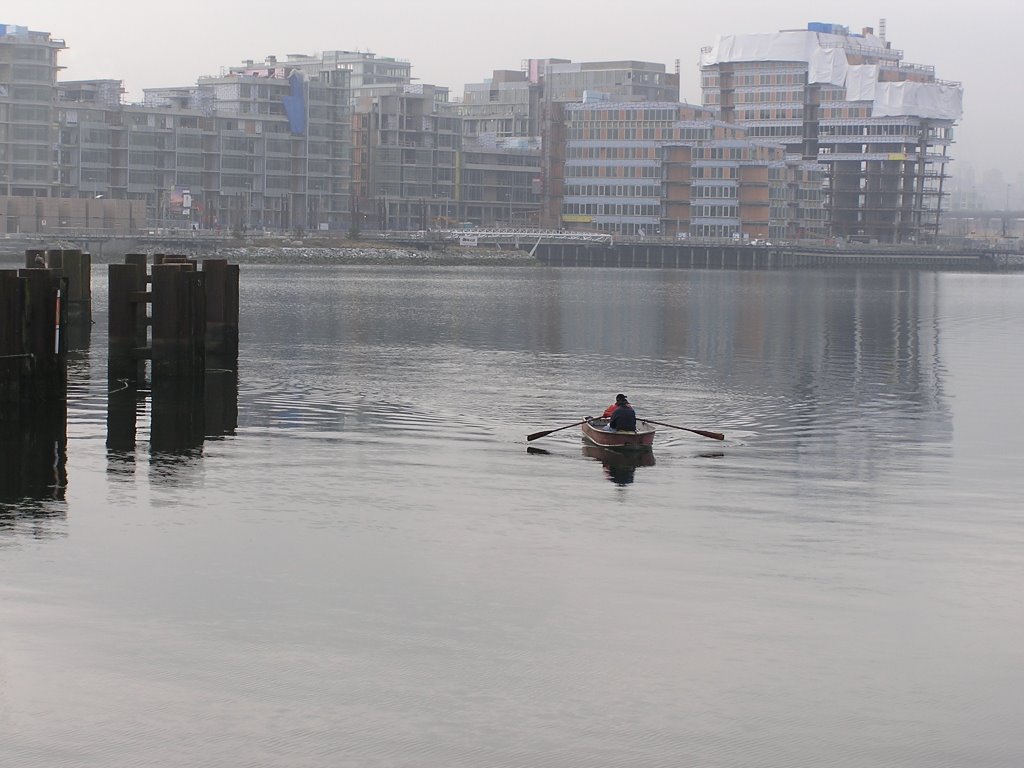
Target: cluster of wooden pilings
{"points": [[43, 307], [180, 321], [183, 321], [38, 307]]}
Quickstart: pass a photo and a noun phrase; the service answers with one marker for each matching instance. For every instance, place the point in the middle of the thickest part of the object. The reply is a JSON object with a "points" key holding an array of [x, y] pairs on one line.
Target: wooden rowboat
{"points": [[596, 431]]}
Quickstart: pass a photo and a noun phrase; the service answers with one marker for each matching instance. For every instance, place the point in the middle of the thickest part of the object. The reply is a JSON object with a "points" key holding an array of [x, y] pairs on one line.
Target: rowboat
{"points": [[596, 431]]}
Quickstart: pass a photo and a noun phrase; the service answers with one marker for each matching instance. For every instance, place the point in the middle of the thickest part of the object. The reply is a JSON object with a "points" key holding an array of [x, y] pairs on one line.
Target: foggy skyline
{"points": [[454, 42]]}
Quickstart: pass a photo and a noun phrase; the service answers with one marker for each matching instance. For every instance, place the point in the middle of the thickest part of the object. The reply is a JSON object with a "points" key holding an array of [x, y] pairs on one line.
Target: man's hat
{"points": [[620, 398]]}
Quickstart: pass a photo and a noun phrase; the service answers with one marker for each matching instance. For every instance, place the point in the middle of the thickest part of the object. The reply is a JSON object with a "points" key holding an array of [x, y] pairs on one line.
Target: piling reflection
{"points": [[79, 339], [221, 401], [184, 412], [619, 466], [33, 465], [177, 415]]}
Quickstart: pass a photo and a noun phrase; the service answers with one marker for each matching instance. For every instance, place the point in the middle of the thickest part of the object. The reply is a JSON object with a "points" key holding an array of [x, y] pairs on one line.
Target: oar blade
{"points": [[701, 432], [547, 432], [712, 435]]}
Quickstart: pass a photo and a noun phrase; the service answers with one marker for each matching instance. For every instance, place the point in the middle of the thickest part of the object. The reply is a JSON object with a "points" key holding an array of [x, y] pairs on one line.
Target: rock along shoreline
{"points": [[374, 255]]}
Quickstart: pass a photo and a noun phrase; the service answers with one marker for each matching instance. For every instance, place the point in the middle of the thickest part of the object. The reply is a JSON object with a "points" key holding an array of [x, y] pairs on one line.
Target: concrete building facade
{"points": [[256, 148], [28, 112], [644, 169], [404, 157], [880, 126]]}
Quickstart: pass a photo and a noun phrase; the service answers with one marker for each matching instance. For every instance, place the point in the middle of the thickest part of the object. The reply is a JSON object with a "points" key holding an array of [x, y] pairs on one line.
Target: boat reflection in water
{"points": [[619, 465]]}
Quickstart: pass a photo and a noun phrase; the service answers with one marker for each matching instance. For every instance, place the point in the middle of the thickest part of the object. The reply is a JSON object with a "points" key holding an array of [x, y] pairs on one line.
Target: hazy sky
{"points": [[452, 42]]}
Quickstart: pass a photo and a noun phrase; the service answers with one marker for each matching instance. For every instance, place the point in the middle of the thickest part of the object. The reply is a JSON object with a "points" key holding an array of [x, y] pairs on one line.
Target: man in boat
{"points": [[619, 399], [621, 416]]}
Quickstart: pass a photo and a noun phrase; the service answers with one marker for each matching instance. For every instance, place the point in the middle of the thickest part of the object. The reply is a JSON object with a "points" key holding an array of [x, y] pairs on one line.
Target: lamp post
{"points": [[1006, 209], [88, 218]]}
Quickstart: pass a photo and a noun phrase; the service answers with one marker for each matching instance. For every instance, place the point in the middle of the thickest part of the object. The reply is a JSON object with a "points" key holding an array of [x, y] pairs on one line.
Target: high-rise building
{"points": [[566, 81], [613, 172], [882, 127], [404, 157], [367, 72], [28, 111], [660, 168], [505, 105], [258, 147], [499, 181]]}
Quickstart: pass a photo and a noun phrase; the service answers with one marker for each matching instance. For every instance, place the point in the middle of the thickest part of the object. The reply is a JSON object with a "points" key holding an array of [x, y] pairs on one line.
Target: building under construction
{"points": [[880, 126]]}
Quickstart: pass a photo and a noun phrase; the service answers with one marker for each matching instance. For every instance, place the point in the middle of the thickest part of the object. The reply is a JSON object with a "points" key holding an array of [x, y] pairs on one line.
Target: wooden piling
{"points": [[78, 271], [188, 309], [76, 266], [126, 335], [33, 368], [179, 321], [14, 361], [45, 316], [222, 310]]}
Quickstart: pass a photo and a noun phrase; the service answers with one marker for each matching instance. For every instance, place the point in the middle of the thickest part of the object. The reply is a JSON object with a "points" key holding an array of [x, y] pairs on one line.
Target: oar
{"points": [[702, 432], [547, 432]]}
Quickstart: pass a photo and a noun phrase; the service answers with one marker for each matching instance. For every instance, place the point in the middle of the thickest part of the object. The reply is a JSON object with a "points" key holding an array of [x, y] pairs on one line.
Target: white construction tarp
{"points": [[774, 46], [933, 100], [793, 45], [861, 80], [827, 65]]}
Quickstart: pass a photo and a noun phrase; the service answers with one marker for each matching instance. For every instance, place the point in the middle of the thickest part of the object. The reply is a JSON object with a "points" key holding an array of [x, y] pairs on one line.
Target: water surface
{"points": [[353, 559]]}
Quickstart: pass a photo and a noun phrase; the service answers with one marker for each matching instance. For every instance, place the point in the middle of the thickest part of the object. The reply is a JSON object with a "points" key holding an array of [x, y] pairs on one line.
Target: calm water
{"points": [[371, 569]]}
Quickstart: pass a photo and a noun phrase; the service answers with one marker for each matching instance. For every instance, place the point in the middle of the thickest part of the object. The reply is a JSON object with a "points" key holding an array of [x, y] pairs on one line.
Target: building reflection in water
{"points": [[808, 351]]}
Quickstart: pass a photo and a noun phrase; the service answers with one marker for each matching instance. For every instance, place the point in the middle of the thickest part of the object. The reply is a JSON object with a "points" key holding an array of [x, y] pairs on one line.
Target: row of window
{"points": [[714, 230], [614, 172], [29, 113], [612, 153], [31, 93], [711, 79], [715, 172], [706, 211], [31, 133], [845, 112], [613, 116], [610, 209], [26, 153], [866, 129], [34, 53], [614, 190], [731, 153], [763, 97], [775, 131], [715, 192], [779, 113], [620, 133], [31, 74]]}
